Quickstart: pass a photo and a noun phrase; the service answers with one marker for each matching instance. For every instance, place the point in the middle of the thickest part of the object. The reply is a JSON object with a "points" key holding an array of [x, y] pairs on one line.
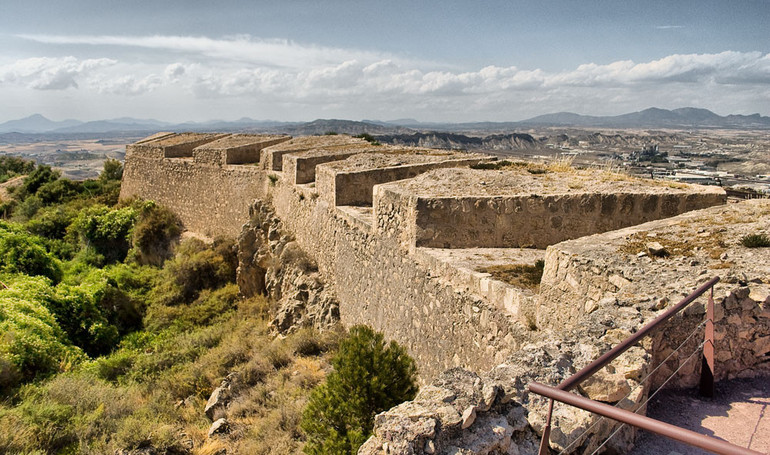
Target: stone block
{"points": [[300, 167], [170, 145], [235, 149], [351, 182], [466, 208], [272, 157]]}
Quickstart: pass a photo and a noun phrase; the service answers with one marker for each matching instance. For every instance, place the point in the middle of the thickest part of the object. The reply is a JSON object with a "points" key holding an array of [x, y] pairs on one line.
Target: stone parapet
{"points": [[469, 270], [300, 167], [272, 157], [235, 149], [170, 145], [466, 208], [350, 182]]}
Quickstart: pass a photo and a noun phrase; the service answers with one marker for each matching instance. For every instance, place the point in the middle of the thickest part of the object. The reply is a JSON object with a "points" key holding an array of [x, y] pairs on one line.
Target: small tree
{"points": [[113, 170], [369, 377]]}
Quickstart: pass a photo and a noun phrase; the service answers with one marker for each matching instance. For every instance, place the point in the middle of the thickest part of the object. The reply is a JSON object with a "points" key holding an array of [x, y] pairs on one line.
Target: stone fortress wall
{"points": [[407, 239]]}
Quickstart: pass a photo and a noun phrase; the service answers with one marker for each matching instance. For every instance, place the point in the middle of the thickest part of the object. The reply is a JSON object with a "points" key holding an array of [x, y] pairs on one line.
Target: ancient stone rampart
{"points": [[426, 250]]}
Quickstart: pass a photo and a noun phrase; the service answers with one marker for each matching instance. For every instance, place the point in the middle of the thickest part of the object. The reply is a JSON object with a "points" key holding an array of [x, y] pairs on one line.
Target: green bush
{"points": [[107, 231], [58, 191], [27, 208], [194, 268], [113, 170], [39, 177], [52, 222], [756, 241], [101, 191], [11, 166], [32, 344], [155, 232], [369, 377], [79, 315], [209, 306], [88, 312], [21, 253]]}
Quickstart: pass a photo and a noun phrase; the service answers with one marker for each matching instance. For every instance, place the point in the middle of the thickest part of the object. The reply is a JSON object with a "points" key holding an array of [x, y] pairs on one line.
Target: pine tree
{"points": [[369, 377]]}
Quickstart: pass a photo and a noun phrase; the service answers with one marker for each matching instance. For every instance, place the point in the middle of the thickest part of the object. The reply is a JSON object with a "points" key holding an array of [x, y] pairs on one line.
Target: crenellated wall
{"points": [[418, 246], [373, 254]]}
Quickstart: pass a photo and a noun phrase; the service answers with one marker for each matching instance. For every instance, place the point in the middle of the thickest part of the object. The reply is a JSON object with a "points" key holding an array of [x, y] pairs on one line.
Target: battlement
{"points": [[371, 214], [235, 149], [170, 145], [443, 251], [512, 208], [272, 157], [350, 182]]}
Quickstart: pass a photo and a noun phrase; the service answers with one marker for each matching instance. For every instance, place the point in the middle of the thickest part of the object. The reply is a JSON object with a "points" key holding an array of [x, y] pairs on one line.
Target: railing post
{"points": [[707, 362], [545, 447]]}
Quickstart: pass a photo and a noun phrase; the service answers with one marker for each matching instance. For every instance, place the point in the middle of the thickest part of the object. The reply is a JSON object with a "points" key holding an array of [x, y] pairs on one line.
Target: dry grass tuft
{"points": [[713, 244], [520, 275]]}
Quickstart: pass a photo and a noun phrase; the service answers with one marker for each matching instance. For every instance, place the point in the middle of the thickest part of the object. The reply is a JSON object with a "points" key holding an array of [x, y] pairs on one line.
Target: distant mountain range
{"points": [[684, 118]]}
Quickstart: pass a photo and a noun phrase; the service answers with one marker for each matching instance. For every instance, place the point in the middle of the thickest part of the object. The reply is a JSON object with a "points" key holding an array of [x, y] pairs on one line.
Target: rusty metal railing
{"points": [[561, 392]]}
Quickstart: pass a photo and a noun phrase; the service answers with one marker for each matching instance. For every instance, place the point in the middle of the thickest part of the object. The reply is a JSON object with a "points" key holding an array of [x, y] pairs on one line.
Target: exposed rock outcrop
{"points": [[271, 263]]}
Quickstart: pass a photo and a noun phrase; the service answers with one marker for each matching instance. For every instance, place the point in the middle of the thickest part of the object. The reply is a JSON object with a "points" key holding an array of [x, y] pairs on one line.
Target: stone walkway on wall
{"points": [[739, 413]]}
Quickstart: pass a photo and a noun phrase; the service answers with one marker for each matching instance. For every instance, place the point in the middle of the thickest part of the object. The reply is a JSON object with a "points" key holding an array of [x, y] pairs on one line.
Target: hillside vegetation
{"points": [[113, 334]]}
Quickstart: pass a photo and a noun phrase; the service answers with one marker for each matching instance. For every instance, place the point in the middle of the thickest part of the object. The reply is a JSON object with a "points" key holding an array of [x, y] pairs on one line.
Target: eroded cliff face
{"points": [[271, 263]]}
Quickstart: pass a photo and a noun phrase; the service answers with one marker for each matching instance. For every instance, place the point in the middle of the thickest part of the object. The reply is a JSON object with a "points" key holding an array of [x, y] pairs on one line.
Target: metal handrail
{"points": [[707, 372], [645, 423], [574, 380]]}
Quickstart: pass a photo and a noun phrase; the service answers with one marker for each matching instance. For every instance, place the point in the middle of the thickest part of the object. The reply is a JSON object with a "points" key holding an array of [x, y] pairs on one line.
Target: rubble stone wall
{"points": [[210, 200], [612, 271], [527, 221], [377, 284]]}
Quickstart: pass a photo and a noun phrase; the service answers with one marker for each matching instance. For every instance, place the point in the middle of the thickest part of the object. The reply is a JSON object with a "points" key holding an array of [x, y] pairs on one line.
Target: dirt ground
{"points": [[739, 413]]}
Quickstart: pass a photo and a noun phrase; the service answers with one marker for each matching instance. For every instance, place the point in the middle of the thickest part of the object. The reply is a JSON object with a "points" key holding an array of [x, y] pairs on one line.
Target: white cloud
{"points": [[309, 81], [50, 73], [241, 48], [127, 85], [174, 71]]}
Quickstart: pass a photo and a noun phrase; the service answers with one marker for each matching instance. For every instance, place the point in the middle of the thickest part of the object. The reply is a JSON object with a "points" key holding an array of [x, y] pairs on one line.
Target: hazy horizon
{"points": [[447, 61]]}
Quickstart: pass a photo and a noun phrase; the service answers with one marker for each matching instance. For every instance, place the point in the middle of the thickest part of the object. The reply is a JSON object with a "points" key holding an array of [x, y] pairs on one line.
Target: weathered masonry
{"points": [[388, 226], [427, 246]]}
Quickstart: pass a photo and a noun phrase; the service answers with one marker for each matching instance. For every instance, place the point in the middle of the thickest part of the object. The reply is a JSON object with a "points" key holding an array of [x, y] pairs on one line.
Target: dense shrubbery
{"points": [[112, 337], [11, 166], [154, 234], [57, 307], [369, 377], [22, 253], [106, 231], [194, 268]]}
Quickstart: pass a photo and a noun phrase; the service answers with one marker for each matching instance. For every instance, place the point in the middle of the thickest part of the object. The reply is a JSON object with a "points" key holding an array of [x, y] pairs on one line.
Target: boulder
{"points": [[220, 426], [606, 387], [217, 400]]}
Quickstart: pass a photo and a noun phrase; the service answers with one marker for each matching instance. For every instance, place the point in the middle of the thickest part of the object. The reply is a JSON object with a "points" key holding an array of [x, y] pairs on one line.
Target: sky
{"points": [[442, 61]]}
